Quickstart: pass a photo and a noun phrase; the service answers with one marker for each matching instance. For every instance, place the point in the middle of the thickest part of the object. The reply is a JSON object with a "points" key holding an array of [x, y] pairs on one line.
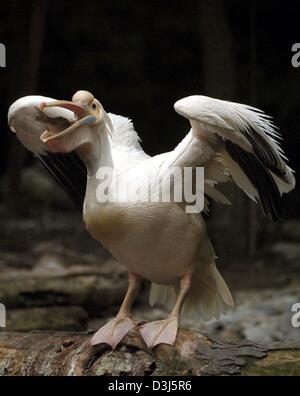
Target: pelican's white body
{"points": [[157, 241], [160, 241]]}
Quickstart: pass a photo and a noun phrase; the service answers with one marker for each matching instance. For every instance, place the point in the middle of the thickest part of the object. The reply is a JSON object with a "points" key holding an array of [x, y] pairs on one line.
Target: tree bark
{"points": [[61, 353]]}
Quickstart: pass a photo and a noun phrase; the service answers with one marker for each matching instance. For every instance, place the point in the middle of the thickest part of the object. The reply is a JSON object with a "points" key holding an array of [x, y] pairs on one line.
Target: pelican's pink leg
{"points": [[115, 330], [165, 331]]}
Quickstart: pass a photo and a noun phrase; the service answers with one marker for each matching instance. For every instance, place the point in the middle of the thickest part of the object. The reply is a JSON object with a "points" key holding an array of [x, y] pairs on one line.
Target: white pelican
{"points": [[154, 240]]}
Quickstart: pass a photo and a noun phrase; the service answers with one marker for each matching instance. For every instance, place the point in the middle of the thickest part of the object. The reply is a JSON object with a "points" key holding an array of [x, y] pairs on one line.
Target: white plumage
{"points": [[155, 240]]}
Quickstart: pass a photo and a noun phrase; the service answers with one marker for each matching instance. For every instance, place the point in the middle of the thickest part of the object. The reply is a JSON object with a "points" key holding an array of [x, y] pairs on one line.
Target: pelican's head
{"points": [[88, 115]]}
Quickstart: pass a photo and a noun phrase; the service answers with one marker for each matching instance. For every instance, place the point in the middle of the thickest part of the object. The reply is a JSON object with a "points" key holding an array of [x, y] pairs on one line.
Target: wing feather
{"points": [[248, 144], [28, 122], [70, 173]]}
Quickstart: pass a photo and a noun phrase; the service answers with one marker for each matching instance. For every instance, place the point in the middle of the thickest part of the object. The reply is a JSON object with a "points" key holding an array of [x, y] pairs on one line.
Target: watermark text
{"points": [[296, 317], [296, 57], [2, 315], [2, 55], [181, 185]]}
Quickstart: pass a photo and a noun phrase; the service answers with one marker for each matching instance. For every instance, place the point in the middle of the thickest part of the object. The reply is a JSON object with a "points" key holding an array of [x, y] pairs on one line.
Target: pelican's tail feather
{"points": [[208, 298]]}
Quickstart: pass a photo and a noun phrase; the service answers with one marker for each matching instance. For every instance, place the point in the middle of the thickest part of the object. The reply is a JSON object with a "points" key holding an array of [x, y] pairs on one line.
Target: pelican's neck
{"points": [[96, 153], [113, 148]]}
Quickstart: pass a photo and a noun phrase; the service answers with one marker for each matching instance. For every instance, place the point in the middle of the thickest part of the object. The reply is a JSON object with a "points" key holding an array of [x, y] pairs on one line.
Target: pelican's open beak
{"points": [[82, 115]]}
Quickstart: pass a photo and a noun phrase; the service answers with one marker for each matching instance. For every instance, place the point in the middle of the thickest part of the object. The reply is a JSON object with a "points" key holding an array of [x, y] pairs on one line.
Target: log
{"points": [[69, 354]]}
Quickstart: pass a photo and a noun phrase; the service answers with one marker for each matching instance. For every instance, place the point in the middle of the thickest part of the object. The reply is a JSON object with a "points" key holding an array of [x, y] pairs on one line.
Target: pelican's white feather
{"points": [[160, 241], [24, 119], [217, 124]]}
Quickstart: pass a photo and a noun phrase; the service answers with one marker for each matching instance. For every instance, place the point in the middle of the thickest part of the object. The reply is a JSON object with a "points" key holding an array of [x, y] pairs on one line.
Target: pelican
{"points": [[158, 241]]}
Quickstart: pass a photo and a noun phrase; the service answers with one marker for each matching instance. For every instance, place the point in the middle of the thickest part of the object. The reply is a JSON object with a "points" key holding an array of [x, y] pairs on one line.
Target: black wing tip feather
{"points": [[269, 195], [267, 155], [70, 173]]}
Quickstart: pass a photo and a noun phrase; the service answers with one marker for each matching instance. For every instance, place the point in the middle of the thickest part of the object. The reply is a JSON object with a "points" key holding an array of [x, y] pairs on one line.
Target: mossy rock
{"points": [[276, 363]]}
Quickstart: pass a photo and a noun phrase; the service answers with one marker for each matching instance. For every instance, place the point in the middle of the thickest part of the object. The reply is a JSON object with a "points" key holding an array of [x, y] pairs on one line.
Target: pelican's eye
{"points": [[94, 106]]}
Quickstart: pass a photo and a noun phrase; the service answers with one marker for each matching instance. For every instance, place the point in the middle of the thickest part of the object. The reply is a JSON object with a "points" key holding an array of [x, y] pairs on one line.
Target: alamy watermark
{"points": [[2, 55], [296, 317], [181, 185], [296, 57], [2, 315]]}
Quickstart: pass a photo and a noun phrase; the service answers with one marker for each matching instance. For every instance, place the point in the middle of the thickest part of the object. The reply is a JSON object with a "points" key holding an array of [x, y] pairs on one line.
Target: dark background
{"points": [[138, 58]]}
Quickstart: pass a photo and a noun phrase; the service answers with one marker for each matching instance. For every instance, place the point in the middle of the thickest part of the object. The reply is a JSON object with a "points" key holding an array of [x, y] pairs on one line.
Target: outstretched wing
{"points": [[235, 142], [28, 122]]}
